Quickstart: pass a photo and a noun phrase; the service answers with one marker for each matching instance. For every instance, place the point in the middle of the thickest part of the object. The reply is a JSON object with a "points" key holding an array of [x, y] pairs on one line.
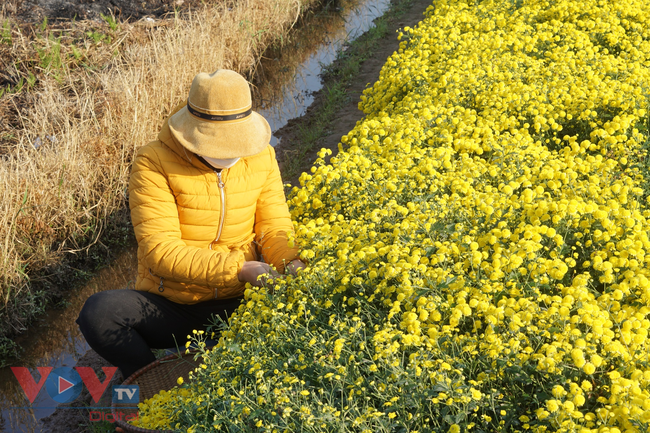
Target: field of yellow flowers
{"points": [[479, 251]]}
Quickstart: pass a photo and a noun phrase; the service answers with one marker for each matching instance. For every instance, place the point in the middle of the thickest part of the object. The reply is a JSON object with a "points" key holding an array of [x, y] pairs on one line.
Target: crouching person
{"points": [[209, 213]]}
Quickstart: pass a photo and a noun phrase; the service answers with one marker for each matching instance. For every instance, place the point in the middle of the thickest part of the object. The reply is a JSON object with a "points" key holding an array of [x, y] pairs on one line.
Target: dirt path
{"points": [[73, 421]]}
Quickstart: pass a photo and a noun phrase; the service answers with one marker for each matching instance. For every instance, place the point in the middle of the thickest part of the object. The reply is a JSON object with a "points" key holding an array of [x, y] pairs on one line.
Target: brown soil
{"points": [[346, 119], [35, 11]]}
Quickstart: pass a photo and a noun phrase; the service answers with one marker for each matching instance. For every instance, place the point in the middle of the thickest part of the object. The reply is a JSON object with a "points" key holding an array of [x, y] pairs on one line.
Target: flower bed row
{"points": [[479, 251]]}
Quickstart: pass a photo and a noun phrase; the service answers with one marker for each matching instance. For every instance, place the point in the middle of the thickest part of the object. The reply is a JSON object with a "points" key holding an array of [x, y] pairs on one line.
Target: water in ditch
{"points": [[288, 79]]}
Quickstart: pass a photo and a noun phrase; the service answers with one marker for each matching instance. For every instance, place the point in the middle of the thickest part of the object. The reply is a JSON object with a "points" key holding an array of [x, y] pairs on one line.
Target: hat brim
{"points": [[221, 139]]}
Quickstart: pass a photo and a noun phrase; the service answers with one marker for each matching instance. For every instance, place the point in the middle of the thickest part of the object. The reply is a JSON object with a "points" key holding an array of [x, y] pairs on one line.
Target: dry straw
{"points": [[68, 167]]}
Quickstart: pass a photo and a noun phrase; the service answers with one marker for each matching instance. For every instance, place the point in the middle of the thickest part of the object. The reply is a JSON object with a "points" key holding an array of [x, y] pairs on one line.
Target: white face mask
{"points": [[221, 163]]}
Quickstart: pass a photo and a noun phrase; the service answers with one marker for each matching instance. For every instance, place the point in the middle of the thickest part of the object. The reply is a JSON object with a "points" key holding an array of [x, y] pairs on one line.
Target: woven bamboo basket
{"points": [[161, 374]]}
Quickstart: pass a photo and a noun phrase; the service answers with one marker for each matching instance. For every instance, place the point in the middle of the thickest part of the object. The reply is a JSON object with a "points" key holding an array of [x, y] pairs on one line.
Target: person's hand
{"points": [[294, 266], [256, 273]]}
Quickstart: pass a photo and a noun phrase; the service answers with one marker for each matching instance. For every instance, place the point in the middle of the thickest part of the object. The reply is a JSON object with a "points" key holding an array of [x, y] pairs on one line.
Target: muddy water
{"points": [[55, 341], [286, 82]]}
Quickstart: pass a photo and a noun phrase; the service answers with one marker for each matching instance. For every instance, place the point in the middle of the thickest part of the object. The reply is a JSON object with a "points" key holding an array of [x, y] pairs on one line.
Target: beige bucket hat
{"points": [[218, 120]]}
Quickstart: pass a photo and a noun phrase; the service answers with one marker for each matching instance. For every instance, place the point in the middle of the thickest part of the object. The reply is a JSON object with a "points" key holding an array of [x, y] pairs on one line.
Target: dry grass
{"points": [[54, 198]]}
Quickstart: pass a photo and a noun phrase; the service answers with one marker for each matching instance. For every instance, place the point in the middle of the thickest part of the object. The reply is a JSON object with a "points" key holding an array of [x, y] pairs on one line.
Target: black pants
{"points": [[122, 326]]}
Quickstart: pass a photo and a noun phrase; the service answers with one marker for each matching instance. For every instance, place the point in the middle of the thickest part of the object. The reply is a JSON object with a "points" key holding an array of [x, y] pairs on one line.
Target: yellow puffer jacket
{"points": [[196, 227]]}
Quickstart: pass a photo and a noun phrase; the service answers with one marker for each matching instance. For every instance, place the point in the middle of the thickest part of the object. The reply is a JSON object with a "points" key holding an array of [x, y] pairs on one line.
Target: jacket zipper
{"points": [[222, 193], [223, 205]]}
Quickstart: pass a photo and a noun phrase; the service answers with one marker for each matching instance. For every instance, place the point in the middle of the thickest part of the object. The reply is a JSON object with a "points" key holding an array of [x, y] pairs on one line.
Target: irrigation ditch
{"points": [[308, 89]]}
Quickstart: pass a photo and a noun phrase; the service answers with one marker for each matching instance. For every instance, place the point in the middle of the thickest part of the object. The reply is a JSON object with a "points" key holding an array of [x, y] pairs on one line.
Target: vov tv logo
{"points": [[64, 384]]}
